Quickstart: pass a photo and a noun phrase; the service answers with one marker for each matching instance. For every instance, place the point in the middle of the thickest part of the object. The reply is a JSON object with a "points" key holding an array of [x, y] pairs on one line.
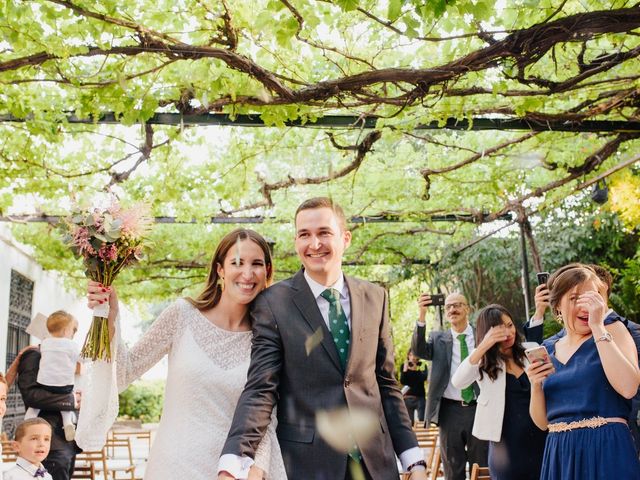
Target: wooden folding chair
{"points": [[96, 459], [436, 464], [428, 441], [9, 454], [141, 434], [84, 471], [120, 463], [480, 473]]}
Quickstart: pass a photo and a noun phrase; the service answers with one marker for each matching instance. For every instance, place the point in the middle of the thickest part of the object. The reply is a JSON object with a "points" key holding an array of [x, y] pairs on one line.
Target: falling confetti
{"points": [[313, 341], [341, 427]]}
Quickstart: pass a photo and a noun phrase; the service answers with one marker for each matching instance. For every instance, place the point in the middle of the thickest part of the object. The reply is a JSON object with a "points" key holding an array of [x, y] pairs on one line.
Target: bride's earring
{"points": [[220, 283], [559, 318]]}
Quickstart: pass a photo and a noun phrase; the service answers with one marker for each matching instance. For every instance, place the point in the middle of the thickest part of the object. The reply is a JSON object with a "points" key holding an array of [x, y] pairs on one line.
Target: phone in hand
{"points": [[437, 299], [543, 277], [538, 353]]}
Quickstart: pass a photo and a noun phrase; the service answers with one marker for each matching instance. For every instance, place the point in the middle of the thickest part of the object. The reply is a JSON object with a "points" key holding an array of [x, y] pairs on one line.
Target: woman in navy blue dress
{"points": [[583, 396]]}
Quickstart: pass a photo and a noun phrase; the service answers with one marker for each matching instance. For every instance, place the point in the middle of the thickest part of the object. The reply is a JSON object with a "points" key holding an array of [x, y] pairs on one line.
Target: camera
{"points": [[543, 277], [437, 299]]}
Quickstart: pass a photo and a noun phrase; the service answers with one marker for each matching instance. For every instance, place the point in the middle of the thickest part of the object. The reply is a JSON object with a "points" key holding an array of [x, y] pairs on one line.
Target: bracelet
{"points": [[605, 337], [419, 463]]}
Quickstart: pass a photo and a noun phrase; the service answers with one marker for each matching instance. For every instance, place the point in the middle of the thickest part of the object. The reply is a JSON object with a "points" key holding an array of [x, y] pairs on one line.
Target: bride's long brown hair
{"points": [[212, 292]]}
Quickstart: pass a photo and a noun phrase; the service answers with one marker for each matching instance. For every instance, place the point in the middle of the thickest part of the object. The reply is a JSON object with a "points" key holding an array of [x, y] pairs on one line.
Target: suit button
{"points": [[346, 382]]}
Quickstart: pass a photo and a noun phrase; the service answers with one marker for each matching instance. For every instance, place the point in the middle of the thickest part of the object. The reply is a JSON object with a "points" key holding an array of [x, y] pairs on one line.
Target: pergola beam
{"points": [[452, 217], [356, 121]]}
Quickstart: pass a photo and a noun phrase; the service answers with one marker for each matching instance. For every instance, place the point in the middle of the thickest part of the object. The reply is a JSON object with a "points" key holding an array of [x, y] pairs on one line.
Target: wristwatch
{"points": [[606, 337], [419, 463]]}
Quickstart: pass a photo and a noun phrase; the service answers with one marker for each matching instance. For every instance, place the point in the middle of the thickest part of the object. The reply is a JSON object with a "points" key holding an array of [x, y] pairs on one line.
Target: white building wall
{"points": [[49, 293]]}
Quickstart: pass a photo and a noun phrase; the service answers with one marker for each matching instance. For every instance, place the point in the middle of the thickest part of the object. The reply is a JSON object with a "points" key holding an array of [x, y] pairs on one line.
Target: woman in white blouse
{"points": [[502, 415]]}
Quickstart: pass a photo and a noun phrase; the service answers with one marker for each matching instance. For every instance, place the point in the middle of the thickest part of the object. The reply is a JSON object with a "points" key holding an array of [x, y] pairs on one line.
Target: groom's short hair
{"points": [[324, 202]]}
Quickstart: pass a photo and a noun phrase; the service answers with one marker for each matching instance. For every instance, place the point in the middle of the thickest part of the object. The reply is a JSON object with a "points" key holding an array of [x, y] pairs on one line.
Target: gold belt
{"points": [[594, 422]]}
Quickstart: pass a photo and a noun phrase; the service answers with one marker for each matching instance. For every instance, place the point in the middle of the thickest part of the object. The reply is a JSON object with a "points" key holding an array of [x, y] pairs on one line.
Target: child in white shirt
{"points": [[59, 364], [32, 442]]}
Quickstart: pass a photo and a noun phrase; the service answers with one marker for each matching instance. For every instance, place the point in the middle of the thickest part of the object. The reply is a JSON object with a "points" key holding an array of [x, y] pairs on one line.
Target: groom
{"points": [[303, 362]]}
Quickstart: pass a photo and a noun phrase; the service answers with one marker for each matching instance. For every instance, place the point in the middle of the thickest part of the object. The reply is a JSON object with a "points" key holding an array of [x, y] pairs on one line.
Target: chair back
{"points": [[84, 471], [480, 473], [95, 458], [120, 463], [9, 454]]}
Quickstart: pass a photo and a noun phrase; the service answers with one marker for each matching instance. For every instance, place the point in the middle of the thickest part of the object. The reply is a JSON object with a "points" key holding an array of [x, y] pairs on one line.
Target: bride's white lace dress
{"points": [[207, 372]]}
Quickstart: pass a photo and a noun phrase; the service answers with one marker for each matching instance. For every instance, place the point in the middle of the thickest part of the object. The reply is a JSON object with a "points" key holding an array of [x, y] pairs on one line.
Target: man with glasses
{"points": [[452, 409]]}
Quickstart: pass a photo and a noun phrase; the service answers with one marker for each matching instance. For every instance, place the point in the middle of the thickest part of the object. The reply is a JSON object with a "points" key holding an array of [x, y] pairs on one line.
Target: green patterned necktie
{"points": [[339, 328], [467, 393], [338, 324]]}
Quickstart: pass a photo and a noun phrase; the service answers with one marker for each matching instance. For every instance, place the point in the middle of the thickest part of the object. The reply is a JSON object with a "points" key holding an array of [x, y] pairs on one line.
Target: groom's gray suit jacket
{"points": [[439, 349], [302, 383]]}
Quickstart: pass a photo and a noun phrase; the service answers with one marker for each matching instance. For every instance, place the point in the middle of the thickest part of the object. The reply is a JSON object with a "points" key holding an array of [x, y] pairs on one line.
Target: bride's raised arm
{"points": [[155, 343], [104, 380]]}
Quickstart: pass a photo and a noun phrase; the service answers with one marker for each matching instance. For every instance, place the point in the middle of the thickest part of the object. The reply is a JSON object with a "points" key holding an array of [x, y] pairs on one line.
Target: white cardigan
{"points": [[487, 424]]}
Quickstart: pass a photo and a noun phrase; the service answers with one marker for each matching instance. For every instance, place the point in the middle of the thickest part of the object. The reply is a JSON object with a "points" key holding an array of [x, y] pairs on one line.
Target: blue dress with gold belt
{"points": [[580, 390]]}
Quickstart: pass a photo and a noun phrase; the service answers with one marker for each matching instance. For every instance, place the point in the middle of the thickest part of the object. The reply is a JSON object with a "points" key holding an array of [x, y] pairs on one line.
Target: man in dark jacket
{"points": [[62, 455]]}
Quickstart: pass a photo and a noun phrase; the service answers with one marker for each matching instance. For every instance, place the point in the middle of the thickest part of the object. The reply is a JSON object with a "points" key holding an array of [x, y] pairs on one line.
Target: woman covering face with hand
{"points": [[585, 402], [502, 416], [208, 343]]}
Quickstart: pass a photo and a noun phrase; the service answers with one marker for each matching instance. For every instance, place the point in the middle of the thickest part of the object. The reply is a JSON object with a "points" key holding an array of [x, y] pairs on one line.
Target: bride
{"points": [[208, 340]]}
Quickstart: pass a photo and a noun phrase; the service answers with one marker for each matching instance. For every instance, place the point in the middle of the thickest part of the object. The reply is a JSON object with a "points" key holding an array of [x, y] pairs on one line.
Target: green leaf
{"points": [[347, 5], [395, 9]]}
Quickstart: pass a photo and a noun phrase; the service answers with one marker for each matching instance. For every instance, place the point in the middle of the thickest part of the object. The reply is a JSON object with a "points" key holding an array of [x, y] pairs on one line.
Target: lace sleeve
{"points": [[268, 448], [104, 380], [155, 343]]}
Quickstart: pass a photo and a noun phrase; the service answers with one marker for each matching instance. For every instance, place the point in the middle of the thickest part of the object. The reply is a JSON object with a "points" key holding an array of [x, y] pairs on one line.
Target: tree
{"points": [[399, 65]]}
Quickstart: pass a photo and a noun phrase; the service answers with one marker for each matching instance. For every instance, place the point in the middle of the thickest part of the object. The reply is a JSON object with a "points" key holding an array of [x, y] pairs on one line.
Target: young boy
{"points": [[32, 442], [58, 364]]}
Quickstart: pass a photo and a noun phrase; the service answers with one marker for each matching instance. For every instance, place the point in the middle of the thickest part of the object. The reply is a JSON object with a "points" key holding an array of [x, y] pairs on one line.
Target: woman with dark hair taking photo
{"points": [[583, 396], [208, 342], [502, 416]]}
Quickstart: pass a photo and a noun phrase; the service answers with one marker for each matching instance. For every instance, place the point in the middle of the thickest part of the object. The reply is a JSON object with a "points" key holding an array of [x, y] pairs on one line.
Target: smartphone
{"points": [[437, 299], [543, 277], [538, 353]]}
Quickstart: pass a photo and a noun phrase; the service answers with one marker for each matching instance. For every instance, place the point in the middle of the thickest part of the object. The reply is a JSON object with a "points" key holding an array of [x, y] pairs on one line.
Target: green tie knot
{"points": [[462, 337], [331, 295]]}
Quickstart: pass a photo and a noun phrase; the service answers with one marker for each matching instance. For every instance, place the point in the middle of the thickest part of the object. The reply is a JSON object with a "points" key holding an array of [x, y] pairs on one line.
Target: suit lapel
{"points": [[305, 302], [447, 340], [358, 317]]}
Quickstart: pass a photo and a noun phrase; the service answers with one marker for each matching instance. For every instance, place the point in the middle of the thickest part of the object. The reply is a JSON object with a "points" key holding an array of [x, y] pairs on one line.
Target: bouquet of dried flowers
{"points": [[107, 240]]}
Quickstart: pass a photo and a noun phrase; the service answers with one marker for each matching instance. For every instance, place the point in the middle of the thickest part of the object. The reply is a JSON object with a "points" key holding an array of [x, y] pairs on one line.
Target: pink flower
{"points": [[81, 242], [98, 221], [108, 252], [136, 221]]}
